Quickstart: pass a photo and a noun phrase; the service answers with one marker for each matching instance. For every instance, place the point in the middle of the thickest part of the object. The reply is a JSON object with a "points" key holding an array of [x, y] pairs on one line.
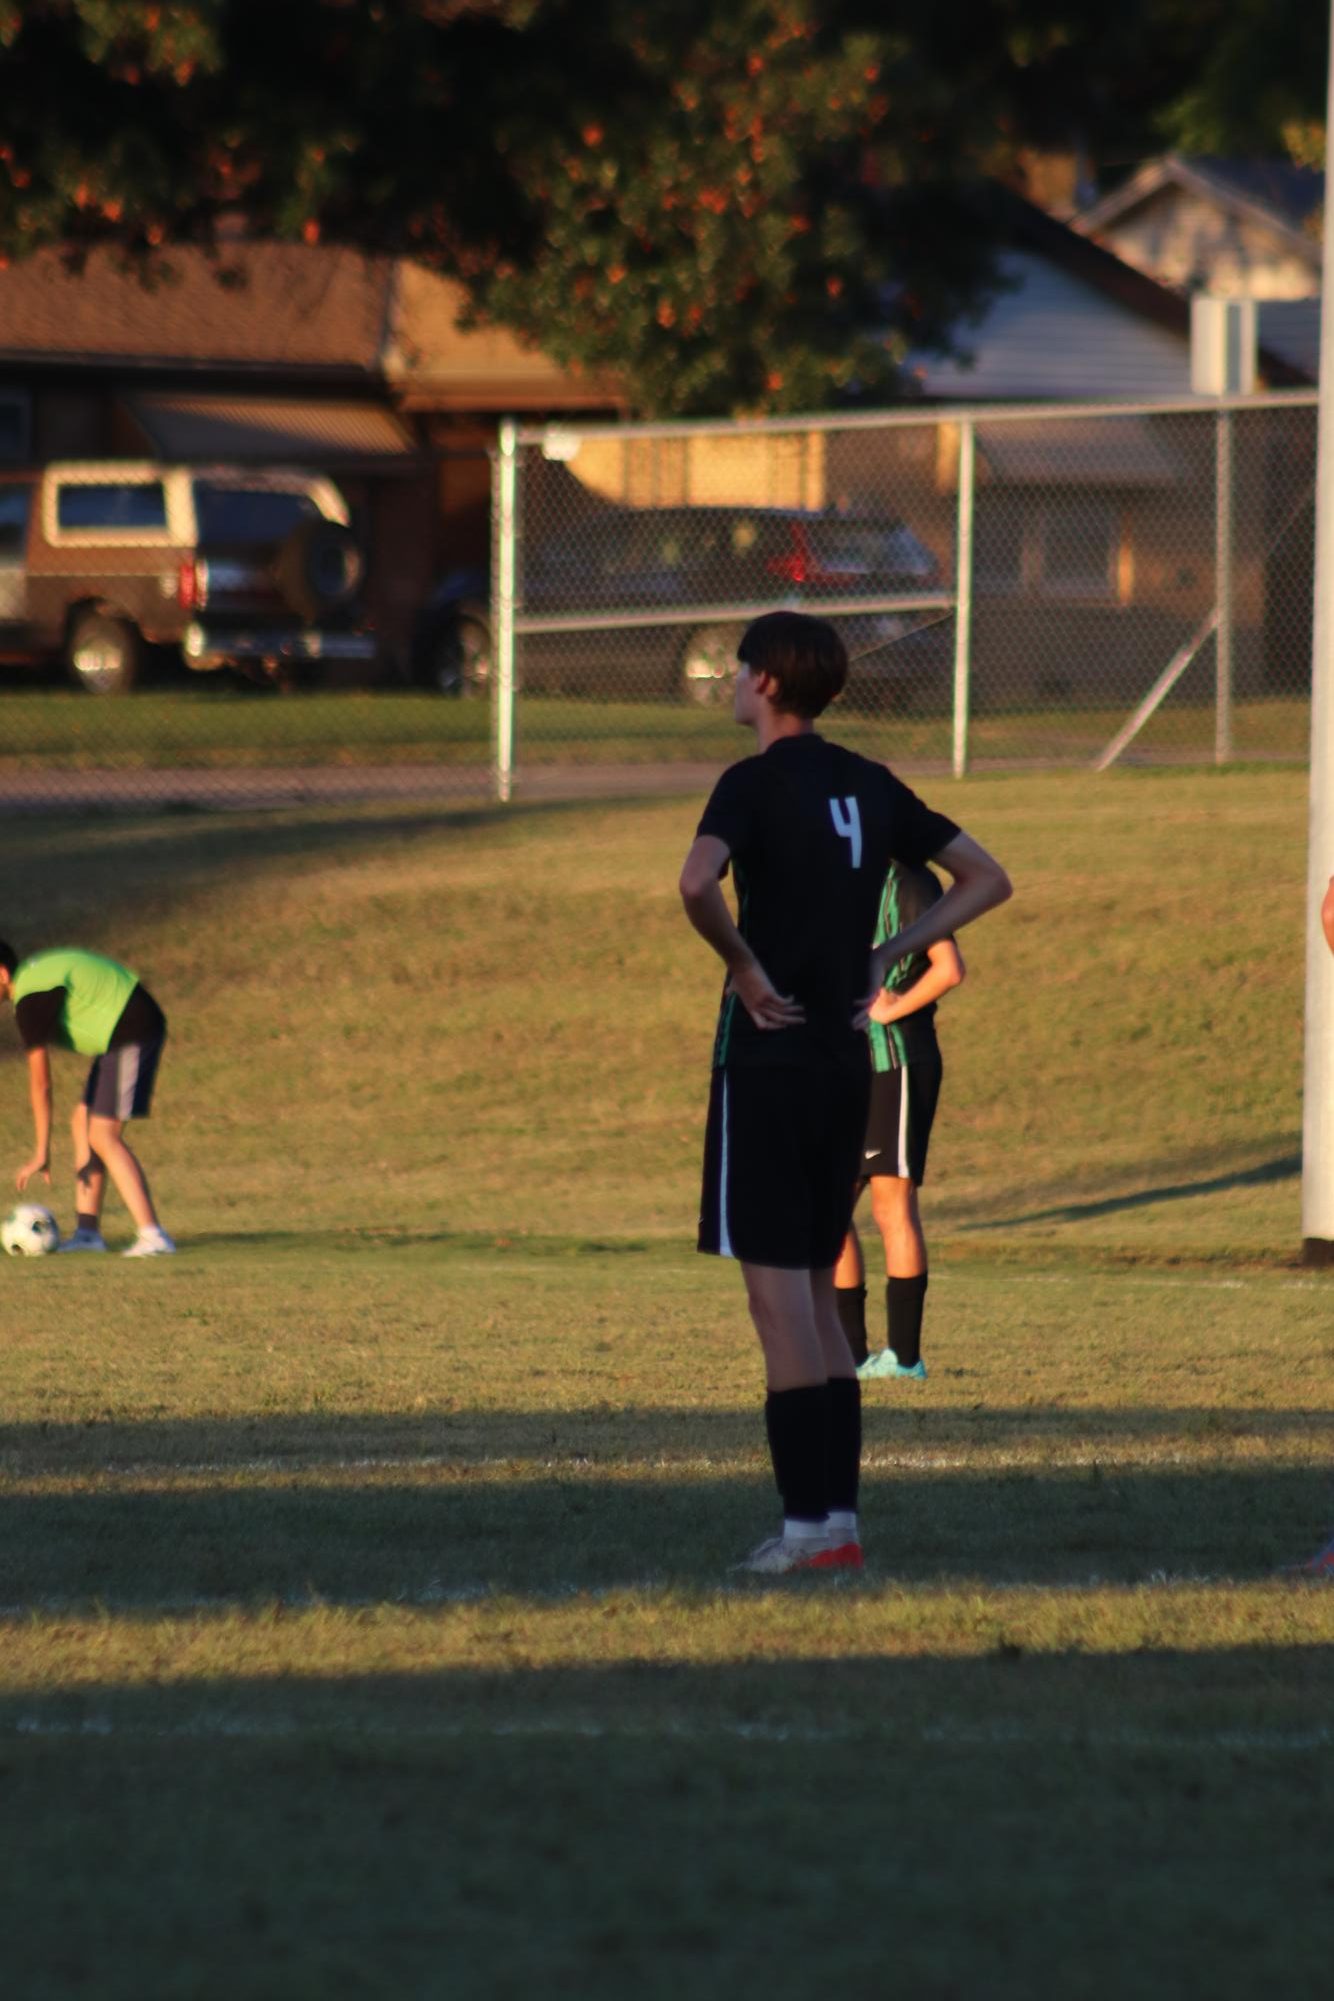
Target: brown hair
{"points": [[803, 655]]}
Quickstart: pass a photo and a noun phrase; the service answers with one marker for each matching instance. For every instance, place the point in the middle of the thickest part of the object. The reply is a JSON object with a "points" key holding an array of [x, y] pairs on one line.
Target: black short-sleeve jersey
{"points": [[811, 829]]}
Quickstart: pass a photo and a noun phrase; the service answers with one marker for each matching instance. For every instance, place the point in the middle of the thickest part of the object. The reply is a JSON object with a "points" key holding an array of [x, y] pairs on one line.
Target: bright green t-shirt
{"points": [[95, 990]]}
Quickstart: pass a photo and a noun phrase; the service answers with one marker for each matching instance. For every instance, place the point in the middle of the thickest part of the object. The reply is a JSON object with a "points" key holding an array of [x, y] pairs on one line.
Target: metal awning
{"points": [[274, 430], [1073, 451]]}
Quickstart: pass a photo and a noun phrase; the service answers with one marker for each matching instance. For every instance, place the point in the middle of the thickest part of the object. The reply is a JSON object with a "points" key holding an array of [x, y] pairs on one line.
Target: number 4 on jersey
{"points": [[848, 822]]}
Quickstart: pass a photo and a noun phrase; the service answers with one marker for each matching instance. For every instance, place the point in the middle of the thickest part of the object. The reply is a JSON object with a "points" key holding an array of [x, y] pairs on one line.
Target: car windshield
{"points": [[250, 513]]}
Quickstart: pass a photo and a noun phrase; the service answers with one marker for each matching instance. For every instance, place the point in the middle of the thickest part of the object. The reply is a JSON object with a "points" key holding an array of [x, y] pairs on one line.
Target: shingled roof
{"points": [[269, 307]]}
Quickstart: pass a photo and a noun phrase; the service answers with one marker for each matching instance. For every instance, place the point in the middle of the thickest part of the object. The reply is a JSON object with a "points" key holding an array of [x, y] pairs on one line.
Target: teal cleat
{"points": [[887, 1363]]}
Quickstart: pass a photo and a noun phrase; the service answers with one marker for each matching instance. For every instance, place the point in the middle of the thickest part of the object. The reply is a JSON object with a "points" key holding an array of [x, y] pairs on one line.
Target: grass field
{"points": [[212, 724], [366, 1620]]}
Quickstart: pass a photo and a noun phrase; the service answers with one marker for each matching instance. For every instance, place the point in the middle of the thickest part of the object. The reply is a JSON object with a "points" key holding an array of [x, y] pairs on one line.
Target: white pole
{"points": [[504, 530], [1223, 588], [963, 597], [1318, 1106]]}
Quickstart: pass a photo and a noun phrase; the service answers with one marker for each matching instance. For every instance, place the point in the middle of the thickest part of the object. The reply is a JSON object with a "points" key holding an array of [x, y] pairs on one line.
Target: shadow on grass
{"points": [[355, 1530], [59, 869], [1286, 1168], [651, 1829], [924, 1439], [1001, 1697]]}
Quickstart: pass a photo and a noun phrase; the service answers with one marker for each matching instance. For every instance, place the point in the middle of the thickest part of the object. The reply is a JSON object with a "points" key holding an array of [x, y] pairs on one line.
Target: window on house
{"points": [[1045, 545], [1079, 545]]}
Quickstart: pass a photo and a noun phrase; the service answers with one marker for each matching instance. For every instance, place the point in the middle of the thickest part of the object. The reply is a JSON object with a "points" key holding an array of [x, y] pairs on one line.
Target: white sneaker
{"points": [[776, 1556], [150, 1244], [83, 1240]]}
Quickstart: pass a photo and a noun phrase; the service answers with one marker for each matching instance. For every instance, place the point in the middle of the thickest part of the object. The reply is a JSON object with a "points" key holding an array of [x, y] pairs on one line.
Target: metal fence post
{"points": [[963, 608], [505, 514], [1318, 1096], [1223, 560]]}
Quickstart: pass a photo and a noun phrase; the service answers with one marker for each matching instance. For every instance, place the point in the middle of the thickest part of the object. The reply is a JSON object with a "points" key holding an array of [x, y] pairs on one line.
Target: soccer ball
{"points": [[30, 1231]]}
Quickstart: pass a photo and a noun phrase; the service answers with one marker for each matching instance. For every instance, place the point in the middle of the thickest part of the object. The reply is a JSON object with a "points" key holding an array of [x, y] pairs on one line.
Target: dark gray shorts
{"points": [[120, 1084]]}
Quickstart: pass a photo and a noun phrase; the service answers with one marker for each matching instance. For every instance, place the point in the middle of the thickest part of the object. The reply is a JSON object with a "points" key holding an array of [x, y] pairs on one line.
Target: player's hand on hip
{"points": [[27, 1171], [766, 1007], [881, 961]]}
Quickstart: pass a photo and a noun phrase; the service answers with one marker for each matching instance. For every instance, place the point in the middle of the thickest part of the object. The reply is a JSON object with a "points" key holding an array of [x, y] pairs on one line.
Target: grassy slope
{"points": [[371, 1552]]}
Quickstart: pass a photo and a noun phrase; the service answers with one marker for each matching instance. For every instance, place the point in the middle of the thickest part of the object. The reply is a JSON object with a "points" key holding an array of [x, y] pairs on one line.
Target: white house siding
{"points": [[1051, 336], [1185, 240]]}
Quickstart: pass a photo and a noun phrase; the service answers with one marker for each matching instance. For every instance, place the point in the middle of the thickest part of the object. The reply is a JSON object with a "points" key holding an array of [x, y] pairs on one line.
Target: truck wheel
{"points": [[319, 570], [104, 653], [459, 658]]}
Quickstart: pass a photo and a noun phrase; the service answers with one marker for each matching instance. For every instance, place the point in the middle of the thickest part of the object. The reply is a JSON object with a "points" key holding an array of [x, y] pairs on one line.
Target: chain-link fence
{"points": [[1015, 586]]}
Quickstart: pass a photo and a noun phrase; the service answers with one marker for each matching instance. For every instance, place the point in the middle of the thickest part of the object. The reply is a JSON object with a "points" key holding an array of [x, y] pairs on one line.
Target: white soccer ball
{"points": [[30, 1231]]}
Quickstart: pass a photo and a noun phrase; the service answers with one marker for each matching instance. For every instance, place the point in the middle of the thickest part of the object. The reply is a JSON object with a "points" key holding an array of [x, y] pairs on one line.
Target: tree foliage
{"points": [[734, 204]]}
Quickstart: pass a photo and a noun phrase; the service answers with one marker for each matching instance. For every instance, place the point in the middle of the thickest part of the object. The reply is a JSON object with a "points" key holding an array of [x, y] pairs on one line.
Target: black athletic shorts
{"points": [[120, 1084], [781, 1156], [898, 1131]]}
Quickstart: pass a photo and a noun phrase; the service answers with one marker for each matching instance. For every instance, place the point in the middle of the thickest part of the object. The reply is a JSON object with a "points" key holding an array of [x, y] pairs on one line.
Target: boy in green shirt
{"points": [[78, 1000]]}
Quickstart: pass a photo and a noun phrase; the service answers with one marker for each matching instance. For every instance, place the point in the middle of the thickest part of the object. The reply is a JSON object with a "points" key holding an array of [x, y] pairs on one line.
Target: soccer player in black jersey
{"points": [[808, 830]]}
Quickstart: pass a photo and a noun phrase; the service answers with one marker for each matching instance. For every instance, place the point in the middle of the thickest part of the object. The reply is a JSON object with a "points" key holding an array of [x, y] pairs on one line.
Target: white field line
{"points": [[1040, 1457], [1142, 1279], [434, 1595], [951, 1735]]}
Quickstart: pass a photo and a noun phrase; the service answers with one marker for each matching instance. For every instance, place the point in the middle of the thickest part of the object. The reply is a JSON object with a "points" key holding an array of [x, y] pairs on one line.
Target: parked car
{"points": [[232, 566], [725, 563]]}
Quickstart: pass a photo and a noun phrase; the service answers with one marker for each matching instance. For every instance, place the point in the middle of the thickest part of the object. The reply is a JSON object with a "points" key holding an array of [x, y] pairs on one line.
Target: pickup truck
{"points": [[232, 566]]}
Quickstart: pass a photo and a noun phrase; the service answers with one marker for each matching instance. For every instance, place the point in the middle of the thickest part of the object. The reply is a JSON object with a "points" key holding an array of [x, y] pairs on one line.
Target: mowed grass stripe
{"points": [[367, 1564]]}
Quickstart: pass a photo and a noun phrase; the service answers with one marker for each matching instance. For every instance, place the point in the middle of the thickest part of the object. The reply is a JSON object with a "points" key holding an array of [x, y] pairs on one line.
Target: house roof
{"points": [[1274, 193], [430, 358], [336, 432], [270, 306], [281, 310], [1050, 451], [1072, 321]]}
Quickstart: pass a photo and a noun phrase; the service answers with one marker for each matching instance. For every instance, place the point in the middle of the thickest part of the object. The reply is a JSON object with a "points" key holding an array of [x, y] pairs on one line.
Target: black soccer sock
{"points": [[904, 1300], [86, 1220], [845, 1443], [851, 1303], [797, 1422]]}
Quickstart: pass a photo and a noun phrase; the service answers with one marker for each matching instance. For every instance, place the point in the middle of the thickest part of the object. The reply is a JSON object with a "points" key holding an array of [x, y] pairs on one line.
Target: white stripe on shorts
{"points": [[127, 1079], [724, 1234], [903, 1124]]}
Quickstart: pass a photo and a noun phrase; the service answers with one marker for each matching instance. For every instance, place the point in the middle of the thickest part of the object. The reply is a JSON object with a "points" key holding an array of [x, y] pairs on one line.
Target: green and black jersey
{"points": [[82, 1001], [907, 895]]}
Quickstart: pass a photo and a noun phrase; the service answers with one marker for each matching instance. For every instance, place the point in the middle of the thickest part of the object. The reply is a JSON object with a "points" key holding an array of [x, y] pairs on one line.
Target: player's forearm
{"points": [[707, 911], [979, 884], [39, 1092], [938, 979]]}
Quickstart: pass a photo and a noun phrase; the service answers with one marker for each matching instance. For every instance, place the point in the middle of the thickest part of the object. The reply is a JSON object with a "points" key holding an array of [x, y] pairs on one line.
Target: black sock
{"points": [[851, 1303], [845, 1442], [797, 1422], [87, 1221], [904, 1301]]}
